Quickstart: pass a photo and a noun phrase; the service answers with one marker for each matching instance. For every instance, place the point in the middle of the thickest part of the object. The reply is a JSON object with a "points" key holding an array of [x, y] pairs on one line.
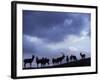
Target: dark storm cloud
{"points": [[53, 26]]}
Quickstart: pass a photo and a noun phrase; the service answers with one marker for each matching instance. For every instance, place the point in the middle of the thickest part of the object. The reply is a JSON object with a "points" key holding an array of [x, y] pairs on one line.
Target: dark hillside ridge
{"points": [[78, 63]]}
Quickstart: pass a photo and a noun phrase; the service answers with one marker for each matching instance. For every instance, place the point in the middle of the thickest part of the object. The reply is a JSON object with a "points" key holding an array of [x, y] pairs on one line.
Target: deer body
{"points": [[73, 57], [61, 58], [42, 61], [58, 60]]}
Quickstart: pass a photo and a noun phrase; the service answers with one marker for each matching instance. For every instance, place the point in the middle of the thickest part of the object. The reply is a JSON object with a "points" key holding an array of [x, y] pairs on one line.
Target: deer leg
{"points": [[24, 65], [41, 64], [30, 64], [37, 65]]}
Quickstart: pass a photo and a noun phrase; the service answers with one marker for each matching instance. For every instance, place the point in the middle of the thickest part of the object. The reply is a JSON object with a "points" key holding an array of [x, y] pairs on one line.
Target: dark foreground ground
{"points": [[79, 63]]}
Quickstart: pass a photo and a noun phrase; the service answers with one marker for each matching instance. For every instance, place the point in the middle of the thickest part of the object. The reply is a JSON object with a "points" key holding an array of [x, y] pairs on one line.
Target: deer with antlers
{"points": [[82, 56]]}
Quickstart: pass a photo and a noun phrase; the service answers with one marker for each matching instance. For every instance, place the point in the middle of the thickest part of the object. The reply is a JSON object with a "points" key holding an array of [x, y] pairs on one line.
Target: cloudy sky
{"points": [[50, 33]]}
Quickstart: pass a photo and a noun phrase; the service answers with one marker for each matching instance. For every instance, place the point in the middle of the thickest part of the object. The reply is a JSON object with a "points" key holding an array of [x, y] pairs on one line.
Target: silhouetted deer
{"points": [[82, 56], [46, 60], [54, 61], [38, 61], [67, 59], [73, 57], [58, 60], [61, 58], [42, 61], [30, 60]]}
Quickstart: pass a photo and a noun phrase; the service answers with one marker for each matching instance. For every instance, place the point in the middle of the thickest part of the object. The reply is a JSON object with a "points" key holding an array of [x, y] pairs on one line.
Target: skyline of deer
{"points": [[44, 61]]}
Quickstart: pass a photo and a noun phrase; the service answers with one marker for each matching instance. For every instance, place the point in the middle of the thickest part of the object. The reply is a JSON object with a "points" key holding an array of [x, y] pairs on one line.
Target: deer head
{"points": [[33, 56]]}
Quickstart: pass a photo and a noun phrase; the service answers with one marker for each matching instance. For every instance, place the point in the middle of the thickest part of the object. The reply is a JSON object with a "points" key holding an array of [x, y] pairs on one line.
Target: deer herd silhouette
{"points": [[46, 61]]}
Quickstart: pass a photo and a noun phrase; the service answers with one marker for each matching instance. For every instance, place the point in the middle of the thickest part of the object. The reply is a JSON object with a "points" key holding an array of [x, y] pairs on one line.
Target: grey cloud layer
{"points": [[49, 25], [52, 27]]}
